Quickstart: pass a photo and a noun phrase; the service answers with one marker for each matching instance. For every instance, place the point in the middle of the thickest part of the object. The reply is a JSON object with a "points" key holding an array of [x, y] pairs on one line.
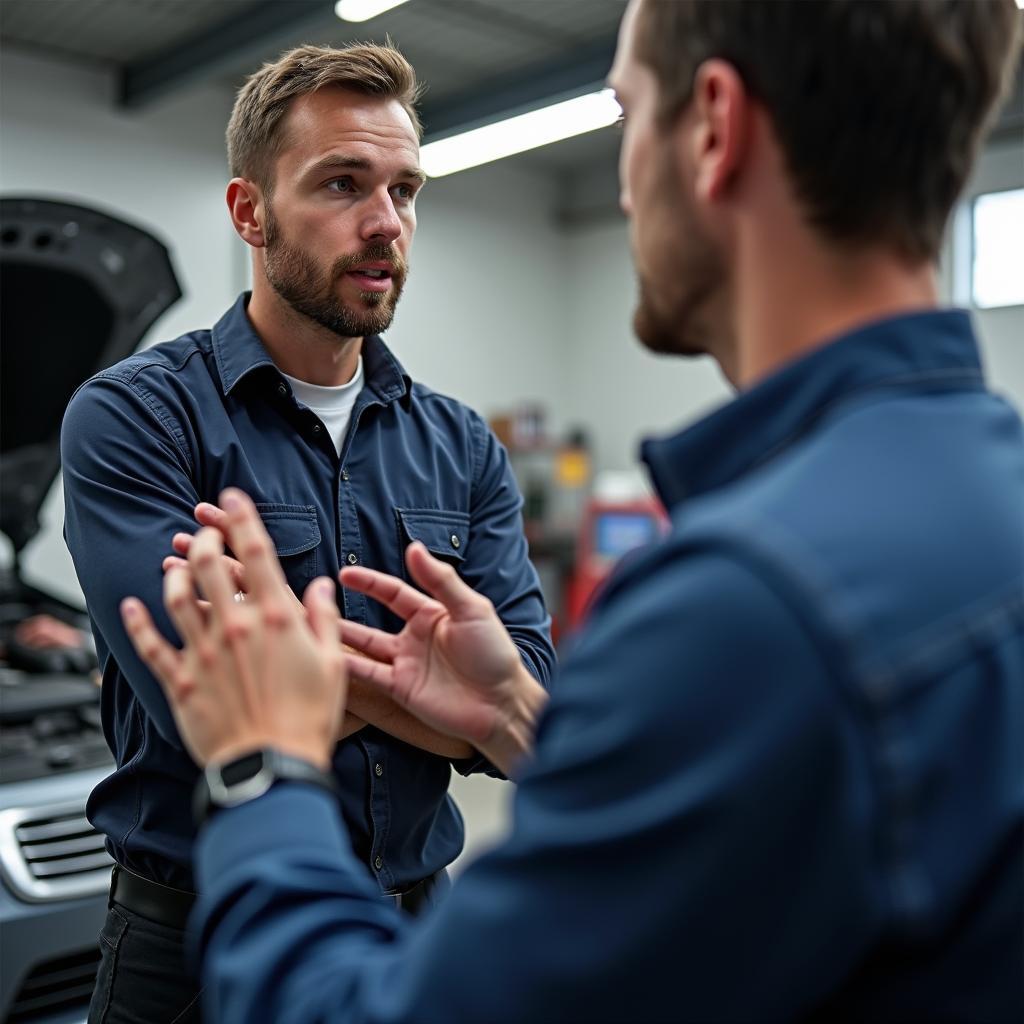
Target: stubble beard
{"points": [[674, 308], [312, 292]]}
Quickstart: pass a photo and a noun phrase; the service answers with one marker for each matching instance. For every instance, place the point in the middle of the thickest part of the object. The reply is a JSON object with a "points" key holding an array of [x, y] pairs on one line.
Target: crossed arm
{"points": [[453, 670], [368, 698]]}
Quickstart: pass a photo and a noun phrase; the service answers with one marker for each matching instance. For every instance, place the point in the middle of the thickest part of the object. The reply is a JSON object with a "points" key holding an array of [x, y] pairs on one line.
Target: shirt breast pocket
{"points": [[296, 535], [445, 534]]}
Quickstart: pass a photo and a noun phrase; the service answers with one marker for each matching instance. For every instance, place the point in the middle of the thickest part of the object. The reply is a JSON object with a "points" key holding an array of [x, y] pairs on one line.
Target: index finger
{"points": [[252, 545], [389, 591]]}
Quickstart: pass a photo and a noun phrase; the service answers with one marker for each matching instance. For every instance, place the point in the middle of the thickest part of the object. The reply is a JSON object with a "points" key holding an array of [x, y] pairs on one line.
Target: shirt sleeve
{"points": [[687, 844], [128, 489], [498, 565]]}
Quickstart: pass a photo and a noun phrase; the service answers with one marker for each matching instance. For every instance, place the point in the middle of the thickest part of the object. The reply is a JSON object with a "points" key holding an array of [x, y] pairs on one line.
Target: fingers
{"points": [[235, 568], [373, 642], [157, 654], [207, 514], [442, 581], [374, 673], [180, 543], [207, 562], [322, 610], [252, 544], [182, 605], [402, 599]]}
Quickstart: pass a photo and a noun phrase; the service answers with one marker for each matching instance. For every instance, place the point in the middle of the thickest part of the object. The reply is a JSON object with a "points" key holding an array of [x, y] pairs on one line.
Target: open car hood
{"points": [[78, 290]]}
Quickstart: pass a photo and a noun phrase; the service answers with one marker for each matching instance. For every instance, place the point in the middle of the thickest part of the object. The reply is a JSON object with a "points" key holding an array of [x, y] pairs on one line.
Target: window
{"points": [[997, 266]]}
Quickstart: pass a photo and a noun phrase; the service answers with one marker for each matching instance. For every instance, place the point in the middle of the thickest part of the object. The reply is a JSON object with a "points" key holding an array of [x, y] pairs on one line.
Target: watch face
{"points": [[242, 769]]}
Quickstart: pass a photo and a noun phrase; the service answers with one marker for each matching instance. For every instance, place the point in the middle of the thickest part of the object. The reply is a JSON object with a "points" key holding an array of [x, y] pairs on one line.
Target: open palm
{"points": [[453, 665]]}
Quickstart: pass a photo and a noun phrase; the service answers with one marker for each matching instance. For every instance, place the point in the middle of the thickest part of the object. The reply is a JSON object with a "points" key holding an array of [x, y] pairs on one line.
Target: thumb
{"points": [[442, 582]]}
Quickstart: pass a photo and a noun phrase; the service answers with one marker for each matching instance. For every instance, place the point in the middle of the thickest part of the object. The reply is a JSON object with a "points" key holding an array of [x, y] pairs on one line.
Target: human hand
{"points": [[46, 633], [261, 673], [453, 666]]}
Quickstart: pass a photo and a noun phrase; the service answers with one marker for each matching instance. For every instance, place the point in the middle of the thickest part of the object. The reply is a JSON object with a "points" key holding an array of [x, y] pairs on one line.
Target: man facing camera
{"points": [[294, 397], [782, 773]]}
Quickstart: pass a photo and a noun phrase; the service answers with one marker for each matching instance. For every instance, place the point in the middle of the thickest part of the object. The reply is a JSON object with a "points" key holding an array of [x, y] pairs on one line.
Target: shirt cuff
{"points": [[290, 815]]}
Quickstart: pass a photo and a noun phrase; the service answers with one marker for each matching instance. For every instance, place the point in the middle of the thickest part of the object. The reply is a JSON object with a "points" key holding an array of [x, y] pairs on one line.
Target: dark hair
{"points": [[254, 134], [878, 105]]}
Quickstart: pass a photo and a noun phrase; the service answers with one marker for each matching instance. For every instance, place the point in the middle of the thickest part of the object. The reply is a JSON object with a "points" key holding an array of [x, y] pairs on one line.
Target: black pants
{"points": [[144, 978]]}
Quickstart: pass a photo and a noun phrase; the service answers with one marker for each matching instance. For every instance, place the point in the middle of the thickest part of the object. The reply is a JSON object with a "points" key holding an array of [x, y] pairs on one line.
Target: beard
{"points": [[676, 305], [312, 289]]}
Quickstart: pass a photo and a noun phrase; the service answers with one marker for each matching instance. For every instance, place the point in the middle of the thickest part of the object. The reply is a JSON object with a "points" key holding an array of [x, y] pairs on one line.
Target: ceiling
{"points": [[478, 59], [470, 54]]}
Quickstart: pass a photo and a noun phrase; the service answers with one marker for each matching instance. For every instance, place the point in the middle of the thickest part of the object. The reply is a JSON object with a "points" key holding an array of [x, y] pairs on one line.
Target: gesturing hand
{"points": [[453, 666], [265, 672]]}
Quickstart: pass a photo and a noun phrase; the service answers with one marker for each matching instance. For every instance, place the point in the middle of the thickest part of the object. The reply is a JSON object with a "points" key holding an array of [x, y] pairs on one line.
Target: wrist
{"points": [[312, 752], [249, 776], [511, 743]]}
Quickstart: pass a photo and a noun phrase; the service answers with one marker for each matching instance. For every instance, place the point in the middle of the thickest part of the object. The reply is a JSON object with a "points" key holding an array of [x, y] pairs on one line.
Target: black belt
{"points": [[171, 907], [159, 903]]}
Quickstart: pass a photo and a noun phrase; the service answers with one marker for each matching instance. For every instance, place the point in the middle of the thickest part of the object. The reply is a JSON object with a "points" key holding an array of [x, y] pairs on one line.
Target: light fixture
{"points": [[363, 10], [518, 134]]}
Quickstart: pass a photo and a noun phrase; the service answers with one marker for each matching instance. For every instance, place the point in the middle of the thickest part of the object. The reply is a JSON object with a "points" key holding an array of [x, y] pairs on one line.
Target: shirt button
{"points": [[378, 770], [282, 390], [455, 541], [352, 558], [344, 475], [317, 428], [378, 862]]}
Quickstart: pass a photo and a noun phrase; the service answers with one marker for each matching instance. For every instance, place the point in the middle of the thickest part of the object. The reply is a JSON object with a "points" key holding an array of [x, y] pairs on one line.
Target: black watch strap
{"points": [[250, 776]]}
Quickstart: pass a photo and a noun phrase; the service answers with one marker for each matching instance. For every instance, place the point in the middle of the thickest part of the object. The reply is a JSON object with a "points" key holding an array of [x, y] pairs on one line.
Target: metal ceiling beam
{"points": [[577, 73], [219, 48]]}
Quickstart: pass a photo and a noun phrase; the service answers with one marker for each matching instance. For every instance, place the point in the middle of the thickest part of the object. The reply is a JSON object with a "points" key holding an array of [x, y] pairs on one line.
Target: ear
{"points": [[246, 206], [721, 137]]}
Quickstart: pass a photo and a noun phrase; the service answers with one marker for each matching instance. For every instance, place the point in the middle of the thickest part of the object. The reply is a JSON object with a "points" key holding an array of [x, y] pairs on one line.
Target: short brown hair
{"points": [[878, 105], [254, 134]]}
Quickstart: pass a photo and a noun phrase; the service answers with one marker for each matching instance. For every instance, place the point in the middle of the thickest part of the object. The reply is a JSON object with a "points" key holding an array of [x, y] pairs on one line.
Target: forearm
{"points": [[387, 716], [350, 724]]}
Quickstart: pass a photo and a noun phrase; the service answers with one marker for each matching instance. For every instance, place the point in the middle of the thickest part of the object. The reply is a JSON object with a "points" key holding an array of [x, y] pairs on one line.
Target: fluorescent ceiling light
{"points": [[518, 134], [363, 10]]}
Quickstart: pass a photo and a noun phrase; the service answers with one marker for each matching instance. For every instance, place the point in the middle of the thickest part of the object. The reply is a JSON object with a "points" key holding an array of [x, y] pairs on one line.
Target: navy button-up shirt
{"points": [[781, 775], [147, 439]]}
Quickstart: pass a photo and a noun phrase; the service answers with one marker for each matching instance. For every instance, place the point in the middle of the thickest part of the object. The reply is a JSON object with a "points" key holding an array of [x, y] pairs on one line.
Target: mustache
{"points": [[372, 254]]}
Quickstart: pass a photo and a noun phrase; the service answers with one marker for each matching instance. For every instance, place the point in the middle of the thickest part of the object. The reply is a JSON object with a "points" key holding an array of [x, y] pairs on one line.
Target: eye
{"points": [[342, 185], [404, 192]]}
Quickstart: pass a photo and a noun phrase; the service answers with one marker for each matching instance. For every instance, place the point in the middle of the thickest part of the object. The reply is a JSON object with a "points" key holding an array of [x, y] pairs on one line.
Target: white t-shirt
{"points": [[333, 406]]}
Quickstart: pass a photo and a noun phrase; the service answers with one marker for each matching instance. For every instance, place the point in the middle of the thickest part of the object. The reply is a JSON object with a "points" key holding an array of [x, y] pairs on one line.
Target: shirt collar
{"points": [[937, 346], [238, 351]]}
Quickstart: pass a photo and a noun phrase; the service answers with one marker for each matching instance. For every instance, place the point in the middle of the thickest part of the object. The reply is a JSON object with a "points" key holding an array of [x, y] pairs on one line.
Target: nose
{"points": [[381, 222]]}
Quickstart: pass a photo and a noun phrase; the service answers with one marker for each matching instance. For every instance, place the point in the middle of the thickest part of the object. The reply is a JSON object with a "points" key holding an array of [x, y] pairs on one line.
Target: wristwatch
{"points": [[250, 776]]}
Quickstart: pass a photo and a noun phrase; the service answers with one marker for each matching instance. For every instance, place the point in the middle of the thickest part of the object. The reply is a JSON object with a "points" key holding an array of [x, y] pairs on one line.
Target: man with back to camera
{"points": [[782, 773], [294, 397]]}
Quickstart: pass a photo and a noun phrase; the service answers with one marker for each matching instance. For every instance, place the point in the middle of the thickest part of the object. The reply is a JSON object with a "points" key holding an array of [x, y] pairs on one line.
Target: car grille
{"points": [[62, 984], [52, 853]]}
